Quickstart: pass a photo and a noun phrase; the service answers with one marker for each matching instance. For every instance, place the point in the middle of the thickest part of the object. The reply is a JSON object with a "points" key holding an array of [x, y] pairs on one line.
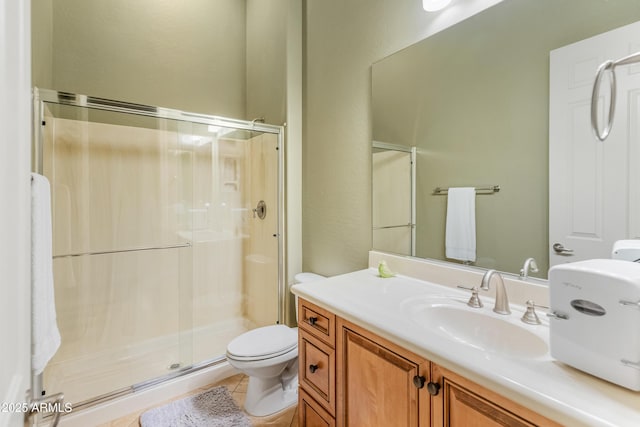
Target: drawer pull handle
{"points": [[433, 388], [419, 381], [313, 320], [313, 368]]}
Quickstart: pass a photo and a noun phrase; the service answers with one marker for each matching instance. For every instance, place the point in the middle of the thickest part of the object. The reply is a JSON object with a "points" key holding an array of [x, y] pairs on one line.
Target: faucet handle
{"points": [[474, 301], [530, 315]]}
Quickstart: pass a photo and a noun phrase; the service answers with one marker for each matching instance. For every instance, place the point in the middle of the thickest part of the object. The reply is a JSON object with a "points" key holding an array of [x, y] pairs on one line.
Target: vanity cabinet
{"points": [[460, 403], [351, 377], [379, 383]]}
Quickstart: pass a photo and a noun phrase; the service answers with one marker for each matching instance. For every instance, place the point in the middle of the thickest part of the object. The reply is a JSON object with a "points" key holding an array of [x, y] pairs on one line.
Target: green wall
{"points": [[202, 56], [342, 40], [42, 43]]}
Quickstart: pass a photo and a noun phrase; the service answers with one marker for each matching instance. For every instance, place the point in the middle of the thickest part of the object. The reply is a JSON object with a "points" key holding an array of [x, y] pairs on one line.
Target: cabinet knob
{"points": [[313, 320], [419, 381], [433, 388], [313, 368]]}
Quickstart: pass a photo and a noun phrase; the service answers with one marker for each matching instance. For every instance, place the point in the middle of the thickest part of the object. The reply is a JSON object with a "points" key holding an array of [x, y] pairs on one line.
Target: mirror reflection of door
{"points": [[594, 196], [393, 198]]}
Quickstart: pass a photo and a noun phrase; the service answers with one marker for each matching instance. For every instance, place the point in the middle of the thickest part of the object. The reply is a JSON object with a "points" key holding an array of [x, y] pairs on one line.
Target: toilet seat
{"points": [[263, 343]]}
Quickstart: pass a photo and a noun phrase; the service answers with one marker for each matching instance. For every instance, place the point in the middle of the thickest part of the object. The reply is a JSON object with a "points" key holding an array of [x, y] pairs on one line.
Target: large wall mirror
{"points": [[474, 101]]}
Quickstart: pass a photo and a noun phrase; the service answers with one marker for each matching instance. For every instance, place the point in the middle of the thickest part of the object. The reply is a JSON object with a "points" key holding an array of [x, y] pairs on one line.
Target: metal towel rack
{"points": [[607, 66], [182, 245], [489, 189]]}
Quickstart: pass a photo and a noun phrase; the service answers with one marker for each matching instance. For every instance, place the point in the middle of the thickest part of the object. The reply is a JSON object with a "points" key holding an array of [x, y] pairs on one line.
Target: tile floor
{"points": [[237, 385]]}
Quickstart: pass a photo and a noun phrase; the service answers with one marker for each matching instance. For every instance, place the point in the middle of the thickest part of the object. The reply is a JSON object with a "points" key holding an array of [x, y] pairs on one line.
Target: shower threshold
{"points": [[135, 388]]}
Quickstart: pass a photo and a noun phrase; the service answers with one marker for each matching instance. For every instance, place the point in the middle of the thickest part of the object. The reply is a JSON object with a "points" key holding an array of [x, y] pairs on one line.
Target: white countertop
{"points": [[542, 384]]}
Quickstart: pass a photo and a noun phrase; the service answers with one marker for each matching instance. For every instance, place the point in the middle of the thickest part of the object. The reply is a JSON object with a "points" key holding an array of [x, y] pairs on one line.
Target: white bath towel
{"points": [[460, 240], [46, 337]]}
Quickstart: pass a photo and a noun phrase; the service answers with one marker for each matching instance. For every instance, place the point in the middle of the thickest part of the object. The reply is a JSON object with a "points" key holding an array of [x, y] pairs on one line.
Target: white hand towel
{"points": [[460, 241], [46, 337]]}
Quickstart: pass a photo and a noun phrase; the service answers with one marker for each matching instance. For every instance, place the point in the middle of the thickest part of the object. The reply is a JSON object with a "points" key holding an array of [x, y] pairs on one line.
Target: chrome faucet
{"points": [[502, 301], [529, 266]]}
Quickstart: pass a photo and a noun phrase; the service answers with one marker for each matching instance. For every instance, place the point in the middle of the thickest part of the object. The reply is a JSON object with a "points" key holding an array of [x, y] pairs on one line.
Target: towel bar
{"points": [[490, 189]]}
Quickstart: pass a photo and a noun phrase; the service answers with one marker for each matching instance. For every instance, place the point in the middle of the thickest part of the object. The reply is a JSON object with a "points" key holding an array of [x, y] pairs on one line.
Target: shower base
{"points": [[133, 402], [117, 371]]}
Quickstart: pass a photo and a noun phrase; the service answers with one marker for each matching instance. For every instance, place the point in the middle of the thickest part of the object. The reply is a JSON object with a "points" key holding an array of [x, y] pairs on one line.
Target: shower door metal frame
{"points": [[40, 96], [412, 152]]}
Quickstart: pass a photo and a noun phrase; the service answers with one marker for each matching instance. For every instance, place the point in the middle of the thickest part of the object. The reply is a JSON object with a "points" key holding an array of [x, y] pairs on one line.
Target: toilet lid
{"points": [[268, 341]]}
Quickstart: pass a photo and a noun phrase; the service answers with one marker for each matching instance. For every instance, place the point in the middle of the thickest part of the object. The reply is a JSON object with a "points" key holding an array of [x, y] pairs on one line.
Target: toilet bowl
{"points": [[269, 356]]}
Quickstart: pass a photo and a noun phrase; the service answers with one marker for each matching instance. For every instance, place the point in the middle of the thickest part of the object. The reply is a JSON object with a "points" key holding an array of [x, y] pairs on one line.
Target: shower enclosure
{"points": [[167, 239]]}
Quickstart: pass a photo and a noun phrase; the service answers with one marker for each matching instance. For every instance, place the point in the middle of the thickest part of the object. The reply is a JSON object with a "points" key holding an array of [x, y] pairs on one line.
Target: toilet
{"points": [[269, 356]]}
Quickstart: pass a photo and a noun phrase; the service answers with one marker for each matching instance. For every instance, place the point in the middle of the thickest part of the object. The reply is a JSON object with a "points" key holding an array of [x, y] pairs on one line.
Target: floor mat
{"points": [[212, 408]]}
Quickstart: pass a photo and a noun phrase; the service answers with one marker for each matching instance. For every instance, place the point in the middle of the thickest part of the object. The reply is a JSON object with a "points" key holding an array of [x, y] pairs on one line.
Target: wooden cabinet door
{"points": [[376, 381], [310, 414], [462, 403]]}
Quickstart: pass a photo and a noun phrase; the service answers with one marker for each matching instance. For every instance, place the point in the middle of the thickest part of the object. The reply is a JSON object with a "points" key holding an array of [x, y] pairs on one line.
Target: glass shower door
{"points": [[122, 272], [166, 240], [235, 246]]}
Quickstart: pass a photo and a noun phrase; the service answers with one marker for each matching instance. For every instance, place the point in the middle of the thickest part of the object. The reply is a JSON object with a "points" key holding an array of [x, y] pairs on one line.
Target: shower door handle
{"points": [[56, 401]]}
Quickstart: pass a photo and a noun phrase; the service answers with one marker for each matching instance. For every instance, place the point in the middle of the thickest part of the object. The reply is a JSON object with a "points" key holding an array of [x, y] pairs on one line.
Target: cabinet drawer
{"points": [[317, 321], [317, 367], [310, 414]]}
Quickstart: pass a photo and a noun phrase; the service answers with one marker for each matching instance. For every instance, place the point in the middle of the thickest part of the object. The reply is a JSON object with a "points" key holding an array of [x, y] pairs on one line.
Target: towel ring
{"points": [[608, 65]]}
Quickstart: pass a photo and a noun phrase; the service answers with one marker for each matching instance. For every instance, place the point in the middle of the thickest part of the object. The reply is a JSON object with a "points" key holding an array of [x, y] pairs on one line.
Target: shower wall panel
{"points": [[116, 187]]}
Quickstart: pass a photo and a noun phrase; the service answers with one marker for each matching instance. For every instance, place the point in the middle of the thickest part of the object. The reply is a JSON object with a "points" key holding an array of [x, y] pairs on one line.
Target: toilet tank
{"points": [[305, 278]]}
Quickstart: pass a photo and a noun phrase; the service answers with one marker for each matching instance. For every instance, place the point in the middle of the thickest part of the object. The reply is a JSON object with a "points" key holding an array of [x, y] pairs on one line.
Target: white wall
{"points": [[15, 140]]}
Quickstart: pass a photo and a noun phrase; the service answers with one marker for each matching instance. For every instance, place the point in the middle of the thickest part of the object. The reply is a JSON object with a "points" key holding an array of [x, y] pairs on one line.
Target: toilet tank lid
{"points": [[308, 277]]}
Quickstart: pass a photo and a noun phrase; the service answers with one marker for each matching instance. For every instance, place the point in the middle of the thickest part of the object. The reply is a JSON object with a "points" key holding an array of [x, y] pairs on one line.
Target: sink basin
{"points": [[480, 328]]}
